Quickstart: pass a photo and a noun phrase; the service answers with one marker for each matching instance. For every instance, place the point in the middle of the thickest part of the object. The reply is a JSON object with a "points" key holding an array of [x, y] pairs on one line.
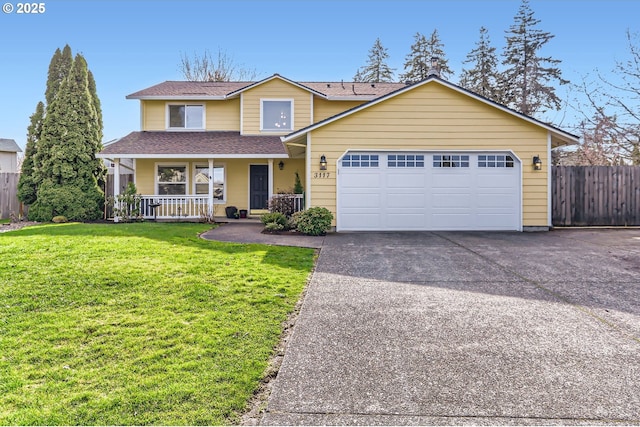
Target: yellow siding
{"points": [[323, 109], [153, 115], [283, 180], [223, 115], [433, 117], [220, 115], [275, 89]]}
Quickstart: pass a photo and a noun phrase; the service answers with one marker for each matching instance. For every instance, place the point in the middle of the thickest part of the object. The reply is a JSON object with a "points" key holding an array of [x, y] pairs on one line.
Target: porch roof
{"points": [[163, 144]]}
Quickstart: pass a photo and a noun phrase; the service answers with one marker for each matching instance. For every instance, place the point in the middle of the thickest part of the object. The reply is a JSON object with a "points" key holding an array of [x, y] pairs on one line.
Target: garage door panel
{"points": [[451, 180], [451, 221], [360, 180], [406, 221], [406, 200], [405, 180], [450, 201], [362, 201], [361, 221]]}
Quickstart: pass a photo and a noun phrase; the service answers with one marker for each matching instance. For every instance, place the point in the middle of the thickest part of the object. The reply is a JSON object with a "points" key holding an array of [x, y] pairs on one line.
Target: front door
{"points": [[258, 187]]}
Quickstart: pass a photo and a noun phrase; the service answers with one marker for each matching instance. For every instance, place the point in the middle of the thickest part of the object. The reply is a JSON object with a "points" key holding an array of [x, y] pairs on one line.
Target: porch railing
{"points": [[174, 207], [193, 206]]}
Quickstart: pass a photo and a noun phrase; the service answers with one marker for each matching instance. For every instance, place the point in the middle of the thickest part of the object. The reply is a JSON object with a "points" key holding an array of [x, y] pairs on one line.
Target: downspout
{"points": [[307, 196]]}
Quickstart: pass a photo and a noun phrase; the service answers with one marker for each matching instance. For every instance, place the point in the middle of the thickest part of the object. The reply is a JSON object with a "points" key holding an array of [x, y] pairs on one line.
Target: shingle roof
{"points": [[177, 89], [194, 144], [9, 145]]}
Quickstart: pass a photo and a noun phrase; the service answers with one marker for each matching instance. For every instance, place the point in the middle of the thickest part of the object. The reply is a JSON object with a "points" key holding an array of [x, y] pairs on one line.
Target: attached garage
{"points": [[429, 191]]}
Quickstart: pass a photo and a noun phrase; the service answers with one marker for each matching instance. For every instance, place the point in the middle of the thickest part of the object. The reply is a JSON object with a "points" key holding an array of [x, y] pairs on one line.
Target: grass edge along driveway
{"points": [[123, 324]]}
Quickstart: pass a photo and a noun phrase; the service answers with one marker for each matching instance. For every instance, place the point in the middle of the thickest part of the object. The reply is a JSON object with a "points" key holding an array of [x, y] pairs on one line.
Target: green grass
{"points": [[104, 324], [5, 221]]}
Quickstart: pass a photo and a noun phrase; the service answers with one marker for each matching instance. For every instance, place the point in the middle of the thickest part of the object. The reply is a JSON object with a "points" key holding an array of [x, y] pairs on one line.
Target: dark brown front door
{"points": [[259, 186]]}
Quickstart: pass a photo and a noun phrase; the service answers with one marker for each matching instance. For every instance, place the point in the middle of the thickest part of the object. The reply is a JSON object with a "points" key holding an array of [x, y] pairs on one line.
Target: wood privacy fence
{"points": [[9, 202], [595, 195]]}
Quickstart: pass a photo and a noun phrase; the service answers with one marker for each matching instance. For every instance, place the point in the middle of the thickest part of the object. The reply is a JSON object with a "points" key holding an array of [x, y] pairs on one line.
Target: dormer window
{"points": [[185, 116], [276, 115]]}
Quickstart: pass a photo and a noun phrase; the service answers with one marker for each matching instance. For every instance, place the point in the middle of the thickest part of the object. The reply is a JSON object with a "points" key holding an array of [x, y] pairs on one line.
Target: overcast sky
{"points": [[133, 44]]}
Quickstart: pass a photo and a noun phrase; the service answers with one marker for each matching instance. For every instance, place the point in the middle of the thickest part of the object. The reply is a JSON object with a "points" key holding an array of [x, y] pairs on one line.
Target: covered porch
{"points": [[214, 172]]}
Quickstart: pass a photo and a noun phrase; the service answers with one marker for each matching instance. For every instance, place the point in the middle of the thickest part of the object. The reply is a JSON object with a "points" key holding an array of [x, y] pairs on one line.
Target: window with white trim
{"points": [[201, 181], [276, 115], [185, 116], [405, 160], [495, 161], [171, 180], [450, 161], [361, 161]]}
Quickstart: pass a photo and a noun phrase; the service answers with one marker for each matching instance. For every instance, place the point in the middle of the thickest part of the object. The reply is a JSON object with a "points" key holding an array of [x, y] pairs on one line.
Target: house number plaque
{"points": [[321, 175]]}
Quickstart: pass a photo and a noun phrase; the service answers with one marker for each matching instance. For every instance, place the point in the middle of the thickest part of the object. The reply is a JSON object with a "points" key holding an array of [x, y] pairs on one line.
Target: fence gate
{"points": [[9, 202], [595, 195]]}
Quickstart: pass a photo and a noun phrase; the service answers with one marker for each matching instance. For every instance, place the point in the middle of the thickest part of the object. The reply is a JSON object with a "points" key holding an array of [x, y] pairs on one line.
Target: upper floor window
{"points": [[186, 116], [277, 115]]}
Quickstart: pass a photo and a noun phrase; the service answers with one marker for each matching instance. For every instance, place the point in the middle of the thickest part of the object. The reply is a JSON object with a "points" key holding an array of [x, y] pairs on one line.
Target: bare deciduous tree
{"points": [[214, 68]]}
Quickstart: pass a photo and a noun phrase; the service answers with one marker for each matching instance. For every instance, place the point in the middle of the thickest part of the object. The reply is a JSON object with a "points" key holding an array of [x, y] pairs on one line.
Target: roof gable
{"points": [[558, 133]]}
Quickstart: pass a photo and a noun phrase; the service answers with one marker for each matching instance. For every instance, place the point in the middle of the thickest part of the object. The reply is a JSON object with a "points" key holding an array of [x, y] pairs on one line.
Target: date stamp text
{"points": [[24, 8]]}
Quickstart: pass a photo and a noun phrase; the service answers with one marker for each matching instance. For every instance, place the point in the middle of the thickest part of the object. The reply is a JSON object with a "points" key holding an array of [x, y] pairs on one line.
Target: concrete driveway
{"points": [[467, 328]]}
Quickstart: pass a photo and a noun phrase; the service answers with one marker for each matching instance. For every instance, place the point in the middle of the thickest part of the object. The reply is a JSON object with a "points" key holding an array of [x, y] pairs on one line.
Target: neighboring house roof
{"points": [[9, 145], [558, 133], [163, 144], [174, 90]]}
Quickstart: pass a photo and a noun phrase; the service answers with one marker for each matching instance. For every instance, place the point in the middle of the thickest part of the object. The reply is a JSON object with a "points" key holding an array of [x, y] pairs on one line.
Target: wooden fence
{"points": [[595, 195], [9, 202]]}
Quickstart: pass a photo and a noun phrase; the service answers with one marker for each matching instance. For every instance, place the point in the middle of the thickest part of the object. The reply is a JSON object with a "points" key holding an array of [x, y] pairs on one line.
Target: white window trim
{"points": [[224, 187], [262, 101], [174, 164], [168, 120]]}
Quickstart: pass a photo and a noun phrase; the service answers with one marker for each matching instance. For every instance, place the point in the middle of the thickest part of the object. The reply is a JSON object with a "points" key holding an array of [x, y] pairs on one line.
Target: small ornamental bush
{"points": [[314, 221], [274, 221], [59, 219]]}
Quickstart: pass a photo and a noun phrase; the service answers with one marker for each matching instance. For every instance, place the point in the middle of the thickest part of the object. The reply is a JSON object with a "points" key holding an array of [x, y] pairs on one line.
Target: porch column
{"points": [[270, 179], [211, 211], [116, 187]]}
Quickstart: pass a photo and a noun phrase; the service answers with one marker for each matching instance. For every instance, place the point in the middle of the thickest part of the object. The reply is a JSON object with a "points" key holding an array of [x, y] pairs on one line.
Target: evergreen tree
{"points": [[435, 49], [418, 62], [526, 81], [483, 78], [27, 187], [59, 68], [376, 69], [68, 171]]}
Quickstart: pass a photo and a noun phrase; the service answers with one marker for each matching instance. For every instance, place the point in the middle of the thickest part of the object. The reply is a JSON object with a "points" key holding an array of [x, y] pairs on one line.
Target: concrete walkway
{"points": [[251, 232], [467, 328]]}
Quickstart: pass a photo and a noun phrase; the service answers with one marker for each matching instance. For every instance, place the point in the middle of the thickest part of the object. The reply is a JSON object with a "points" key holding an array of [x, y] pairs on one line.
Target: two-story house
{"points": [[380, 156]]}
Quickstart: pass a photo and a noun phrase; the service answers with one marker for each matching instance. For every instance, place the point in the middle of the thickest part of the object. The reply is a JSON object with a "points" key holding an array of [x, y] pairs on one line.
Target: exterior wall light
{"points": [[323, 163], [281, 165], [537, 163]]}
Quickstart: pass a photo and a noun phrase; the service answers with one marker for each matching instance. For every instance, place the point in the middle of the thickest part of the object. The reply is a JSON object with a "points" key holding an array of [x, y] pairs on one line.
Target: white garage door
{"points": [[428, 191]]}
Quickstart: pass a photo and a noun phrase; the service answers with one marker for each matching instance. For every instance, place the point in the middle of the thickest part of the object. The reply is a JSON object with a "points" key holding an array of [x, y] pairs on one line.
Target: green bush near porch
{"points": [[123, 324]]}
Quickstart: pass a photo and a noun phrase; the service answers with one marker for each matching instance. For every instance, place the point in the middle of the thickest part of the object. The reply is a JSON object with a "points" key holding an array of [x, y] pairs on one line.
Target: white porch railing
{"points": [[174, 207]]}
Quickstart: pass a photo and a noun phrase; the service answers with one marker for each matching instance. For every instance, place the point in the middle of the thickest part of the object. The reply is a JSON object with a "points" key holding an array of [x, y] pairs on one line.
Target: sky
{"points": [[130, 45]]}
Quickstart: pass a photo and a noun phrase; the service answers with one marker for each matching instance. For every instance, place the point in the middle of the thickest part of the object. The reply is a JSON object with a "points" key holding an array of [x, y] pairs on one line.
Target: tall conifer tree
{"points": [[527, 79], [27, 187], [376, 69], [68, 172], [435, 48], [59, 69], [483, 78], [418, 62]]}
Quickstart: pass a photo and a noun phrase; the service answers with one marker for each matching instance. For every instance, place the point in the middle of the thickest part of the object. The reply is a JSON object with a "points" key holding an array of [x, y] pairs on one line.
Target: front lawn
{"points": [[121, 324]]}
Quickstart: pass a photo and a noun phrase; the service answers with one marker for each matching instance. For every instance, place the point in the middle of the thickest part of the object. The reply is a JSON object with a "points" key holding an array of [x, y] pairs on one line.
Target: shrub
{"points": [[297, 186], [274, 221], [127, 206], [314, 221], [59, 219]]}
